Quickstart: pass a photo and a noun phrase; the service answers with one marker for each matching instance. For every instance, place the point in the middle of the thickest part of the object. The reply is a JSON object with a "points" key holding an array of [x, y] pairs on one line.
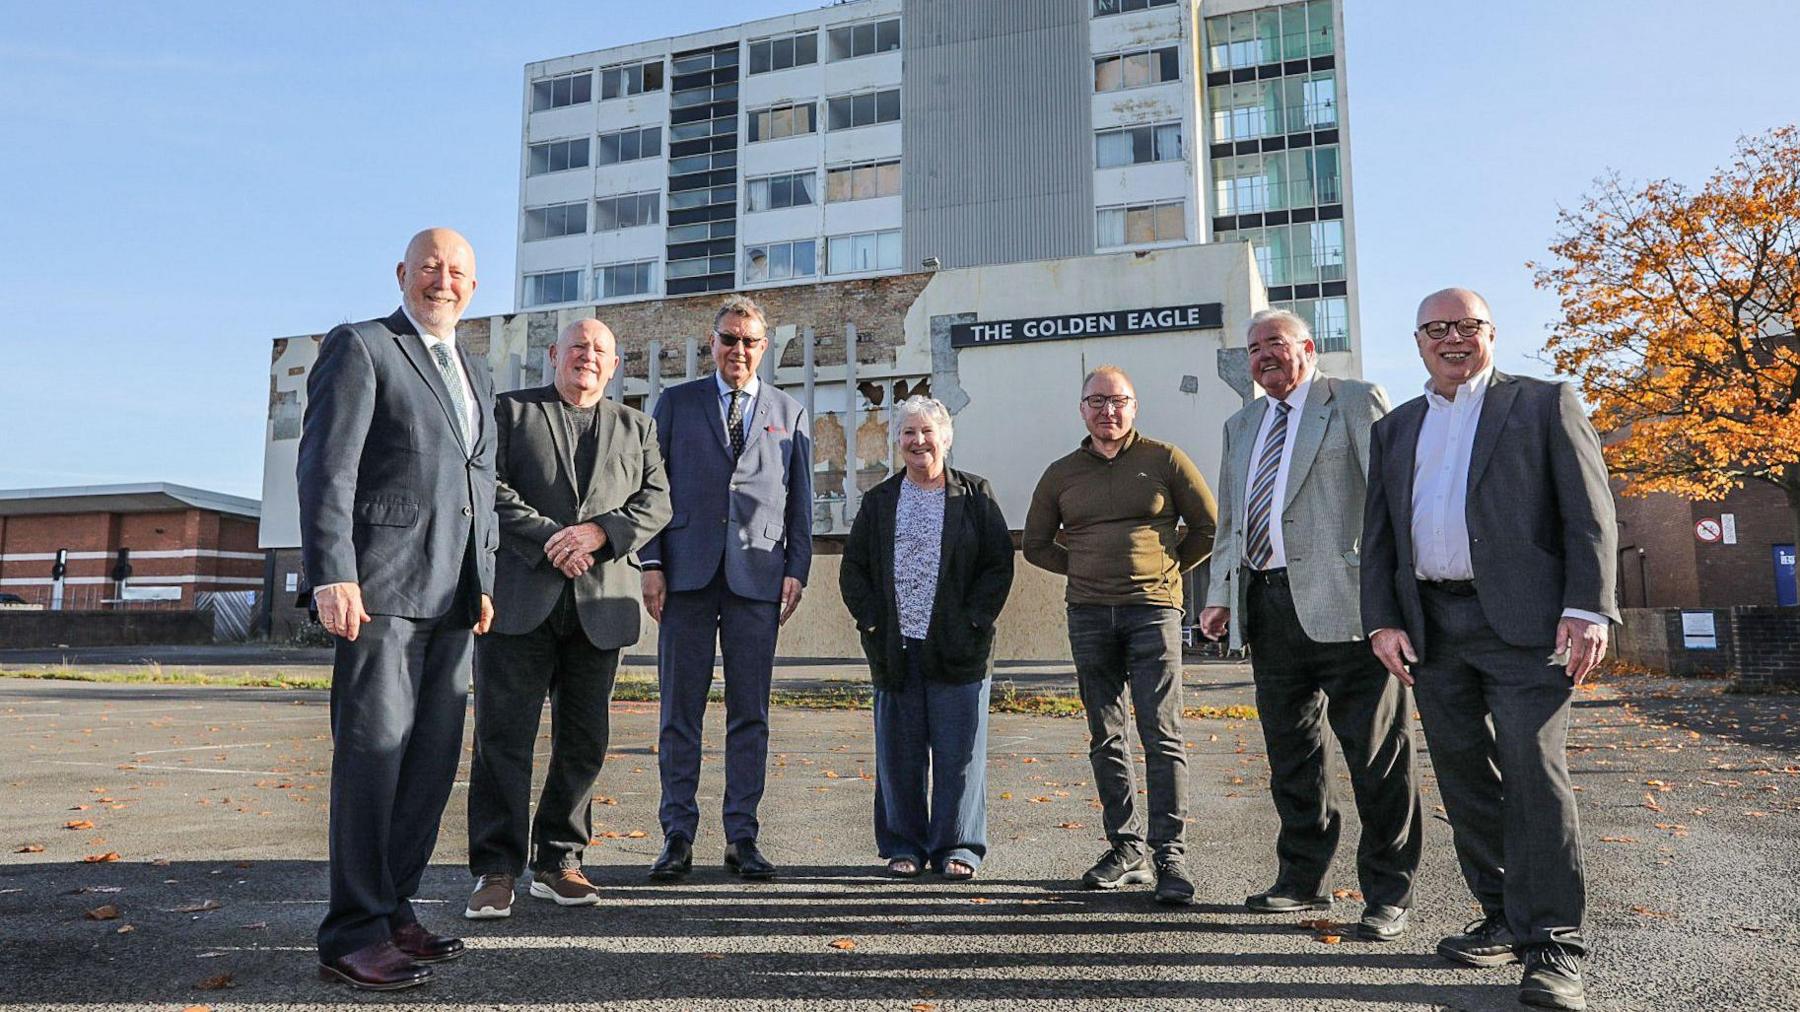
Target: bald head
{"points": [[437, 279], [1455, 333], [585, 356], [1452, 304]]}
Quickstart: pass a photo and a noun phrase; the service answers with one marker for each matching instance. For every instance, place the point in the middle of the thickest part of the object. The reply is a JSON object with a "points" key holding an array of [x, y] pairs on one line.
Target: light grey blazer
{"points": [[1321, 513]]}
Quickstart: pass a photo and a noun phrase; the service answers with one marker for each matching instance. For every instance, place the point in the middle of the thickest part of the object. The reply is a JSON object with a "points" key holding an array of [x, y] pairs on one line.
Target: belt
{"points": [[1455, 588], [1266, 577]]}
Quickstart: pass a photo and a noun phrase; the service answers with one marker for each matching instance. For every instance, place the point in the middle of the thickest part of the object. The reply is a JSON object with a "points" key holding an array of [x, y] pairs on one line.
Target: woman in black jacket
{"points": [[925, 573]]}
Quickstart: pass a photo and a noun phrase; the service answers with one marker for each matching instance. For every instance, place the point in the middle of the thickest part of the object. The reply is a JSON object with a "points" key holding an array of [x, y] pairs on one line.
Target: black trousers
{"points": [[1496, 719], [1303, 685], [555, 660], [398, 696]]}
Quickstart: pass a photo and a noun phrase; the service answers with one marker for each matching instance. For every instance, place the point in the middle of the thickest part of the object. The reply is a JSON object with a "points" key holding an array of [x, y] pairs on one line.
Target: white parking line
{"points": [[127, 767], [201, 748]]}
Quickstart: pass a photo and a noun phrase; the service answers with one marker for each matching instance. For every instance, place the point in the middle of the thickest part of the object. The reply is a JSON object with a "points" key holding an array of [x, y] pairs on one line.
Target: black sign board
{"points": [[1109, 323]]}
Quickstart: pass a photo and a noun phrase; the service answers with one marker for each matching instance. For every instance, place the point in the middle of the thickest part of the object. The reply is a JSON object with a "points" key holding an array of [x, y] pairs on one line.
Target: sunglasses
{"points": [[733, 340]]}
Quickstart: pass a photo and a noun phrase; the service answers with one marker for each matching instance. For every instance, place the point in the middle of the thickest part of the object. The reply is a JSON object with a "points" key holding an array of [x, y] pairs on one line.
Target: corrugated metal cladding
{"points": [[997, 136]]}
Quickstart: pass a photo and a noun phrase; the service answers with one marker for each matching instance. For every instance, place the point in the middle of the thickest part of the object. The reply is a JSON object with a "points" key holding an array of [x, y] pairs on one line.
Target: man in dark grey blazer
{"points": [[1284, 580], [397, 536], [580, 488], [729, 566], [1487, 584]]}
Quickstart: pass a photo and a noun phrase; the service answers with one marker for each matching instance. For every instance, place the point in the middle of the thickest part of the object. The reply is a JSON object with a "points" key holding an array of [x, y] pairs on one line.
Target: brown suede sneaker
{"points": [[492, 899], [567, 886]]}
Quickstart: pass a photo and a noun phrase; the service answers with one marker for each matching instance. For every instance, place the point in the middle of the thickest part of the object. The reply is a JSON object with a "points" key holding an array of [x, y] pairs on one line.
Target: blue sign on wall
{"points": [[1784, 575]]}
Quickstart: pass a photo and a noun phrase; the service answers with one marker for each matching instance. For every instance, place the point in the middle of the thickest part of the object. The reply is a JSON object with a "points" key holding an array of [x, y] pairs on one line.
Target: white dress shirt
{"points": [[751, 389], [1296, 402], [456, 362], [1440, 504]]}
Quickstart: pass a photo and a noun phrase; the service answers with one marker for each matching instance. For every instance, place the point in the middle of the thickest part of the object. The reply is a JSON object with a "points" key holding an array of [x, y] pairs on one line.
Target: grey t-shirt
{"points": [[582, 425]]}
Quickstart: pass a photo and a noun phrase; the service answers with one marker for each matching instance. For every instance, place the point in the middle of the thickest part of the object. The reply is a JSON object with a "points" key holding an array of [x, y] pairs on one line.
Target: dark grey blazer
{"points": [[1540, 515], [975, 574], [390, 498], [536, 497], [753, 515]]}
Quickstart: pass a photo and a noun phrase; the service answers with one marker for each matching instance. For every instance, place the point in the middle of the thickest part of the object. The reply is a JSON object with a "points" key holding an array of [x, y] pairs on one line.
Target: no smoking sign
{"points": [[1708, 530]]}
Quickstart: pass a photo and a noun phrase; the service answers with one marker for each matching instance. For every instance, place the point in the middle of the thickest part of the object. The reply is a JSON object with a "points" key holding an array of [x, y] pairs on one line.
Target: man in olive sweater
{"points": [[1117, 501]]}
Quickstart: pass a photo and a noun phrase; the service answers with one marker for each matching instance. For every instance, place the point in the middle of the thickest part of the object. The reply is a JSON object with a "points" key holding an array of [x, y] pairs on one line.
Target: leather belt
{"points": [[1266, 577], [1455, 588]]}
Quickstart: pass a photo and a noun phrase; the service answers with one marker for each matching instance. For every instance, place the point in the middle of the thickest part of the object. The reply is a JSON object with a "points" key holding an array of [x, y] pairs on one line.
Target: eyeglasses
{"points": [[1437, 330], [1100, 402], [733, 340]]}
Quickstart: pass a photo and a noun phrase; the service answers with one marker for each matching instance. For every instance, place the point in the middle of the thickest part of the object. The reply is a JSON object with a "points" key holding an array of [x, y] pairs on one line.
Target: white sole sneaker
{"points": [[487, 913], [544, 892]]}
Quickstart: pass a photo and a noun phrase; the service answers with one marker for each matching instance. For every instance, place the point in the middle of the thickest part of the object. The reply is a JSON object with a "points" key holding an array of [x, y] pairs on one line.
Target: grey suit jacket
{"points": [[753, 516], [1320, 513], [1540, 515], [390, 497], [628, 497]]}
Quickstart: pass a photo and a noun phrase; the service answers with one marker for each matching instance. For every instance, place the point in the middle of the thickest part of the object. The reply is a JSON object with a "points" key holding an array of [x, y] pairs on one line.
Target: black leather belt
{"points": [[1266, 577], [1455, 588]]}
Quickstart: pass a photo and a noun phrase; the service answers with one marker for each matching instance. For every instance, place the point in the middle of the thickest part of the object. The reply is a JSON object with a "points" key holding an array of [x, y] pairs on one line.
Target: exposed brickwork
{"points": [[166, 531], [1683, 572], [1767, 647]]}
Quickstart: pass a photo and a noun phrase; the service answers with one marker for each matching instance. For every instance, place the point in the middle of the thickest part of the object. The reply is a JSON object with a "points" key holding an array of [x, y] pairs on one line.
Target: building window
{"points": [[1277, 106], [1292, 31], [1307, 253], [615, 281], [864, 251], [865, 39], [1330, 320], [689, 164], [1137, 69], [553, 220], [703, 231], [1277, 180], [783, 121], [1134, 224], [866, 109], [862, 181], [780, 261], [556, 92], [699, 267], [1160, 142], [556, 156], [788, 190], [627, 211], [630, 145], [686, 97], [703, 128], [682, 200], [782, 53], [552, 287], [1104, 7], [631, 79]]}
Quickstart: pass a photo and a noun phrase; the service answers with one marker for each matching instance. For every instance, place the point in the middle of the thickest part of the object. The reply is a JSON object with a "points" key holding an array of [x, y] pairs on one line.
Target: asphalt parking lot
{"points": [[213, 801]]}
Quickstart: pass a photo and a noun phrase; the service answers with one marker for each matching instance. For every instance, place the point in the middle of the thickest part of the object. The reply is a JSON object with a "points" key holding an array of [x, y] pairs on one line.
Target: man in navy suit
{"points": [[397, 535], [730, 565]]}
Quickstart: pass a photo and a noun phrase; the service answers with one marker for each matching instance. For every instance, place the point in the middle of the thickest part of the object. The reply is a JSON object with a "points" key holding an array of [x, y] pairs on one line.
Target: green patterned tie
{"points": [[459, 402]]}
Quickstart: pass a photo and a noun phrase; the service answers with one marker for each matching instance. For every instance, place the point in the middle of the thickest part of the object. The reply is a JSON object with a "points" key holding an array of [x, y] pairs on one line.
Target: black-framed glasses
{"points": [[1468, 326], [733, 340], [1100, 402]]}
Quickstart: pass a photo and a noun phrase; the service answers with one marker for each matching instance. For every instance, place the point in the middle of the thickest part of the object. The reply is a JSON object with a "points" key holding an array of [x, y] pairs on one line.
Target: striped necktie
{"points": [[1262, 490], [459, 401]]}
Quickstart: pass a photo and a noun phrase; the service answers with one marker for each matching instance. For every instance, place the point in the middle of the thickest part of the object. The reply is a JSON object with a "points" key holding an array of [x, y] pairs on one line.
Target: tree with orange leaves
{"points": [[1679, 313]]}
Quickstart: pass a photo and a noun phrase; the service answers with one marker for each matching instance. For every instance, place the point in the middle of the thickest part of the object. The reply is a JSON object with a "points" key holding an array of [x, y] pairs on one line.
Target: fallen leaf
{"points": [[78, 824], [197, 908], [1346, 894], [636, 834], [30, 848], [1329, 939], [107, 912], [1070, 825], [217, 982], [843, 944], [106, 858], [923, 1006], [126, 929], [1618, 839], [1647, 912], [198, 1008]]}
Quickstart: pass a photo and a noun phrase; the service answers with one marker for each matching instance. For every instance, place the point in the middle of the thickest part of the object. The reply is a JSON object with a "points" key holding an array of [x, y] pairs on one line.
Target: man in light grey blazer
{"points": [[580, 488], [1284, 580], [396, 488], [1487, 583], [729, 567]]}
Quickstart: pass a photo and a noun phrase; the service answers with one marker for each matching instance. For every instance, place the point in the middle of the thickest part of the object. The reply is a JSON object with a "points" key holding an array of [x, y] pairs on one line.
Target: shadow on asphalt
{"points": [[1764, 721], [254, 921]]}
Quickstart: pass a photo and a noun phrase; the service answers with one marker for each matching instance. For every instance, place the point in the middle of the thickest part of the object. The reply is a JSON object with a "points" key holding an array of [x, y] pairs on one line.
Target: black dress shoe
{"points": [[675, 861], [743, 857], [1381, 922], [425, 947], [1552, 979], [1284, 899], [378, 967], [1485, 942]]}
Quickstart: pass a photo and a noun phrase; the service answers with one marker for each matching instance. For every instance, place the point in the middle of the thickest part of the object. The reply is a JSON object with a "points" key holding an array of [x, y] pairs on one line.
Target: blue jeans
{"points": [[1133, 649], [931, 731]]}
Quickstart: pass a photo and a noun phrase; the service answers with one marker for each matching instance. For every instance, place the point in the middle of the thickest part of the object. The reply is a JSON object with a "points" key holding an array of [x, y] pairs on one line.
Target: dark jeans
{"points": [[1135, 649], [1496, 719], [931, 743], [1301, 686], [516, 674], [745, 630], [398, 695]]}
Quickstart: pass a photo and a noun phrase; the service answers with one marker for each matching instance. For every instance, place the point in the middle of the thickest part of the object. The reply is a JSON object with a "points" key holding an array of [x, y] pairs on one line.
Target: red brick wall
{"points": [[168, 531], [1682, 571]]}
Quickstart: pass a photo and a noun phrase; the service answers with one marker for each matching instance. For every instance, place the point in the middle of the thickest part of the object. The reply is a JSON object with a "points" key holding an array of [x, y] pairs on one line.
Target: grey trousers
{"points": [[1134, 649], [1496, 720]]}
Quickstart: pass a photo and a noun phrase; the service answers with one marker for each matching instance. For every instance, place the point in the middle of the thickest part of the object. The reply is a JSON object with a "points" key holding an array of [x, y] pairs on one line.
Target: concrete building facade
{"points": [[880, 137]]}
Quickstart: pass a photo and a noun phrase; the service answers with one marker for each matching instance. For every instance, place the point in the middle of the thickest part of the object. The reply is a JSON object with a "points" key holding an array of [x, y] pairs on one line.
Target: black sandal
{"points": [[904, 867], [958, 870]]}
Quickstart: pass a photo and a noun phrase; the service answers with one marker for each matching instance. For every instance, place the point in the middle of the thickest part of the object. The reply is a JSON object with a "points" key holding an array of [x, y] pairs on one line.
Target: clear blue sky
{"points": [[183, 182]]}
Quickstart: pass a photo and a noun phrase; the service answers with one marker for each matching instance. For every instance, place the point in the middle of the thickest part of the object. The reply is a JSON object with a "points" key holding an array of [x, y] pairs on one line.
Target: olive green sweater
{"points": [[1120, 543]]}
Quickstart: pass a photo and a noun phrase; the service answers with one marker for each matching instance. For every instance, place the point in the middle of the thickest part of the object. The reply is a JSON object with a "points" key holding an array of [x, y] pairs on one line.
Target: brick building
{"points": [[179, 541], [1676, 553]]}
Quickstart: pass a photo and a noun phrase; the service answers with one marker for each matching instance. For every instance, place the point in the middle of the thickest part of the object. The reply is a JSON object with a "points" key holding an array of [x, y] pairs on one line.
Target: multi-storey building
{"points": [[884, 136]]}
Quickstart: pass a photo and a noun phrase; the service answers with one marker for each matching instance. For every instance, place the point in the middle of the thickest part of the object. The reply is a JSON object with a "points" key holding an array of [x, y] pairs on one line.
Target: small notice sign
{"points": [[1709, 531], [1728, 528], [1698, 631]]}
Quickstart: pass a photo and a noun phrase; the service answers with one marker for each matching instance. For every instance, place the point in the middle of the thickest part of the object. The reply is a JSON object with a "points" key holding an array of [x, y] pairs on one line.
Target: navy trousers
{"points": [[931, 769]]}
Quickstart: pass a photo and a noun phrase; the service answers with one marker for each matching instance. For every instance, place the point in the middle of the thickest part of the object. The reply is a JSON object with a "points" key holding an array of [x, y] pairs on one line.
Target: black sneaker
{"points": [[1174, 887], [1282, 899], [1118, 867], [1484, 942], [1552, 978]]}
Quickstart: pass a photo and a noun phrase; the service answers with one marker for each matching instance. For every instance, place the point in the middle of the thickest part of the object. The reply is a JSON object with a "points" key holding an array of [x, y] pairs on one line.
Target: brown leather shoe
{"points": [[425, 947], [378, 967]]}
